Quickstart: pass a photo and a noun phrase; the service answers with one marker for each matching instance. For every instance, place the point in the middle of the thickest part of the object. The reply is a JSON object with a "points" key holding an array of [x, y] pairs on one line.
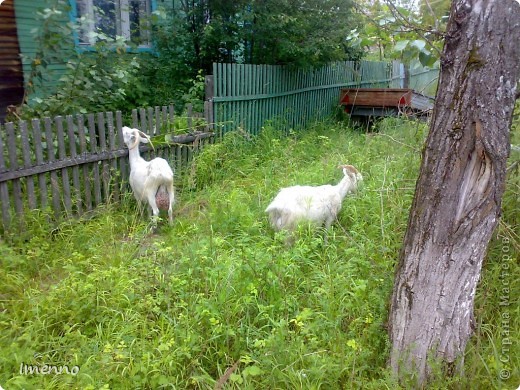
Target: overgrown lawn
{"points": [[220, 290]]}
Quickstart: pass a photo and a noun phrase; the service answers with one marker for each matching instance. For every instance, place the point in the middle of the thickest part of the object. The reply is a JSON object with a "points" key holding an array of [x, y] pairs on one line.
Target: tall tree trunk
{"points": [[459, 189]]}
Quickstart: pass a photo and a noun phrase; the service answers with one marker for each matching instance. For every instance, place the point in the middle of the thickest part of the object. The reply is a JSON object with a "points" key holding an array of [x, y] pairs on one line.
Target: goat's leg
{"points": [[171, 192], [328, 224], [153, 204]]}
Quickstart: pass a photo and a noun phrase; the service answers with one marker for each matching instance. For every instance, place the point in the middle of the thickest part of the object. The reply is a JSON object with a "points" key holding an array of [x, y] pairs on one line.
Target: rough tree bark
{"points": [[459, 189]]}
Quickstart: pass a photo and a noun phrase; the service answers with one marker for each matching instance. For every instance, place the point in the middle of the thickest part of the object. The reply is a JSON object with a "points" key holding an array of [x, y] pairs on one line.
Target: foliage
{"points": [[96, 80], [260, 32], [170, 69], [300, 34], [195, 93], [399, 32], [219, 289]]}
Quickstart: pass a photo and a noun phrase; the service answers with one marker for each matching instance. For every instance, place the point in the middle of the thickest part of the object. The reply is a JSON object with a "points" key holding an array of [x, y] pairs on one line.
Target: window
{"points": [[127, 18]]}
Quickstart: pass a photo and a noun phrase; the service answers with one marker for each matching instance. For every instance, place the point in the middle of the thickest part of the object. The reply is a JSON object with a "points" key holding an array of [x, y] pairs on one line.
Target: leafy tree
{"points": [[393, 30], [299, 33], [264, 32], [434, 14]]}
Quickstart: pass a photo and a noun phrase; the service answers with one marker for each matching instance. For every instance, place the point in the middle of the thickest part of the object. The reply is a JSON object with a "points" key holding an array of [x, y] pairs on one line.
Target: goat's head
{"points": [[132, 137], [352, 172]]}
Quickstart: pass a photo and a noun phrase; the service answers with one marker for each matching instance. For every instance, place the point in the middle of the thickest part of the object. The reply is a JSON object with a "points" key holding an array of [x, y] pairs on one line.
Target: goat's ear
{"points": [[350, 169], [144, 137]]}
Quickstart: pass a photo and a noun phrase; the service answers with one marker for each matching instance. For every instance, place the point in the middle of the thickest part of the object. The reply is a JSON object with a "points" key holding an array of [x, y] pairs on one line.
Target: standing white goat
{"points": [[318, 205], [151, 181]]}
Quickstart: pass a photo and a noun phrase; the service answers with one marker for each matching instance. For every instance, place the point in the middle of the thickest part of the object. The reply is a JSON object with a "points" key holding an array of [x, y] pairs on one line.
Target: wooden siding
{"points": [[11, 76], [27, 21]]}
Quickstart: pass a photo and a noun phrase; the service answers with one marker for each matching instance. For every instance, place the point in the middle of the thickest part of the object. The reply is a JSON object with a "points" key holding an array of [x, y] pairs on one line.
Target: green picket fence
{"points": [[246, 96]]}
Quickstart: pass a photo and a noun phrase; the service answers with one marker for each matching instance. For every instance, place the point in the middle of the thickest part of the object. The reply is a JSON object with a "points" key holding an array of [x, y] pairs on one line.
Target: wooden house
{"points": [[21, 22]]}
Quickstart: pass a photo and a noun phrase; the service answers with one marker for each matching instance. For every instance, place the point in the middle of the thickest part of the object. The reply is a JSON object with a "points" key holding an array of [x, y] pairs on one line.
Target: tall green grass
{"points": [[219, 289]]}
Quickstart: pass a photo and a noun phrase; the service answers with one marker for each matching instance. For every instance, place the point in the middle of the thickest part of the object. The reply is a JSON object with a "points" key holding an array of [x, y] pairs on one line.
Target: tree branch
{"points": [[398, 15]]}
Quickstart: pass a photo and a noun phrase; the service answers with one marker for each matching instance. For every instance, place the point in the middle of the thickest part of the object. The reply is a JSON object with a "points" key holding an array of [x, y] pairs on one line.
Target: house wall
{"points": [[11, 76], [27, 21], [29, 24]]}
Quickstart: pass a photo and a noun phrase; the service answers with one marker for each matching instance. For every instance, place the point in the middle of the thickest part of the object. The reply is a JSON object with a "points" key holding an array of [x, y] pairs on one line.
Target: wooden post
{"points": [[208, 102], [406, 80]]}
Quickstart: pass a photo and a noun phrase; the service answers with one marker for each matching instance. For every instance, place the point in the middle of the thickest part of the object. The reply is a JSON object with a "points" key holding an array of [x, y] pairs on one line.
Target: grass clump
{"points": [[219, 289]]}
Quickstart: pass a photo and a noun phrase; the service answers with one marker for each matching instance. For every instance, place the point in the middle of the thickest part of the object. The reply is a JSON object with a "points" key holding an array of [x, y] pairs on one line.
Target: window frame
{"points": [[122, 26]]}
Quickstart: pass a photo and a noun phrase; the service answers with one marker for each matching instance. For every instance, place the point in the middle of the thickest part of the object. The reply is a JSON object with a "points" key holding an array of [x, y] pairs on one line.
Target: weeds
{"points": [[219, 295]]}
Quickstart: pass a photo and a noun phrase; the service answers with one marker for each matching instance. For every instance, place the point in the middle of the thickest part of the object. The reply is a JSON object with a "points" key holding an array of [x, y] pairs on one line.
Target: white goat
{"points": [[151, 181], [318, 205]]}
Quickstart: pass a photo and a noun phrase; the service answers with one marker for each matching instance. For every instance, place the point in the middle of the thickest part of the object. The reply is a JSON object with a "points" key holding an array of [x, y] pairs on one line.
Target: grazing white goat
{"points": [[151, 181], [319, 205]]}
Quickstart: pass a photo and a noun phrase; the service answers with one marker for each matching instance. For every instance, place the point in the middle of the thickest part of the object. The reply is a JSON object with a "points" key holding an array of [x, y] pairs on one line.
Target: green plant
{"points": [[92, 81], [195, 94], [220, 290]]}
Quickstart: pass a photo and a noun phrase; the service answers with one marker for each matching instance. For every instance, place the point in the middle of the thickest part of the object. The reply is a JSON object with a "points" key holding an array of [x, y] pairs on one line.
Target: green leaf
{"points": [[426, 58], [387, 20], [419, 44], [401, 45], [252, 371], [236, 378]]}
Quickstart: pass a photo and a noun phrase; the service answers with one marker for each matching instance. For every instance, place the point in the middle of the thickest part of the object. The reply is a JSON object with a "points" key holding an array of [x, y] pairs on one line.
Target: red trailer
{"points": [[368, 103]]}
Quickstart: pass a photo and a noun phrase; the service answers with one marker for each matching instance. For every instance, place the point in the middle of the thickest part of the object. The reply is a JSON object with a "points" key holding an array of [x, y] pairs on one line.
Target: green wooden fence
{"points": [[246, 96], [423, 80]]}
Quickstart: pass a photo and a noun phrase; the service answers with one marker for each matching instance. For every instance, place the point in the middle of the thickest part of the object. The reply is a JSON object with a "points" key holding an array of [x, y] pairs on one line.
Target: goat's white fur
{"points": [[148, 178], [319, 205]]}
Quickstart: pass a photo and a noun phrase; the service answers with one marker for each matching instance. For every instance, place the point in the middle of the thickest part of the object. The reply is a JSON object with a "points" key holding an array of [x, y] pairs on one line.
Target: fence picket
{"points": [[158, 123], [87, 188], [38, 152], [135, 122], [65, 183], [189, 121], [13, 165], [105, 167], [94, 149], [26, 152], [75, 169], [152, 130], [4, 190], [51, 156], [112, 145], [124, 167], [142, 120]]}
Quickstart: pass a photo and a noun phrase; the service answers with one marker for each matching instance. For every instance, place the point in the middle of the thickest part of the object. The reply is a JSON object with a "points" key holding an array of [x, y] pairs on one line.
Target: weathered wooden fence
{"points": [[247, 96], [71, 164]]}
